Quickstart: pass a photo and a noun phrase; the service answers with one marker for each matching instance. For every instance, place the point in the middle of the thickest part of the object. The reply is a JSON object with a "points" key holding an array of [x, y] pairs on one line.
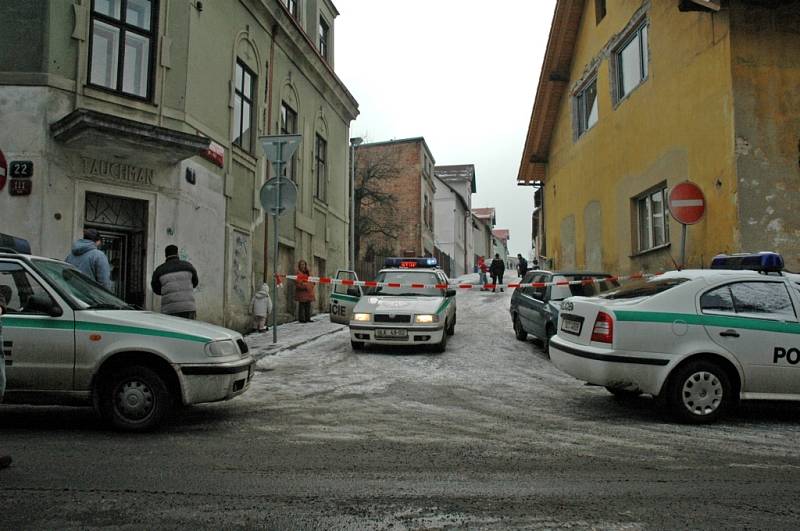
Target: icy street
{"points": [[488, 435]]}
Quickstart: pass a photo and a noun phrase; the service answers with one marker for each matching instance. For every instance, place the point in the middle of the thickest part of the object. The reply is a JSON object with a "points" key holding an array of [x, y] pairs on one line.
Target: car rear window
{"points": [[644, 288], [593, 289]]}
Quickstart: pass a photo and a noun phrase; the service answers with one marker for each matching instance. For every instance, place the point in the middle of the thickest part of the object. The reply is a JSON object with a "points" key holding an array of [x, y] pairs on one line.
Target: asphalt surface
{"points": [[488, 435]]}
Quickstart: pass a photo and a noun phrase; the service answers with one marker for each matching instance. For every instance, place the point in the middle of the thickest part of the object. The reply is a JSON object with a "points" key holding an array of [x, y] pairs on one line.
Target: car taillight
{"points": [[603, 331]]}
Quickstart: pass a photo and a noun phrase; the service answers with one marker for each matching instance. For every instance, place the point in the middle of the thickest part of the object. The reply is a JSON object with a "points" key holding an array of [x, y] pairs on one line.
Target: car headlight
{"points": [[362, 317], [218, 349], [426, 319]]}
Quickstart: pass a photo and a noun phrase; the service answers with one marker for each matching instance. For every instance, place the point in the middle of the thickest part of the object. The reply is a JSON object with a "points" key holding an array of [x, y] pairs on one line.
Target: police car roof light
{"points": [[410, 263], [765, 261], [13, 244]]}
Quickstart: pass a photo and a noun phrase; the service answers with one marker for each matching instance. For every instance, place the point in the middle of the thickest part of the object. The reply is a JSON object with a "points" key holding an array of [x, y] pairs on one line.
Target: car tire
{"points": [[357, 345], [520, 332], [623, 394], [441, 346], [699, 392], [451, 330], [135, 399]]}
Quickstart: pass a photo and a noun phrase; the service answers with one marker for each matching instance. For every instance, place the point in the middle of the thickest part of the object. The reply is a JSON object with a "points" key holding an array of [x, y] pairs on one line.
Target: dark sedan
{"points": [[535, 310]]}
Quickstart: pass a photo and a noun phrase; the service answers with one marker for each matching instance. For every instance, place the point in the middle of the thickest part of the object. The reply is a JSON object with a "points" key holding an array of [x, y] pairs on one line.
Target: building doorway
{"points": [[122, 224]]}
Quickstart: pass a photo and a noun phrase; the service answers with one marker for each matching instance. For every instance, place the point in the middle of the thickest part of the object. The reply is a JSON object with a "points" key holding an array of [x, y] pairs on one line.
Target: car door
{"points": [[531, 304], [344, 298], [756, 321], [39, 344]]}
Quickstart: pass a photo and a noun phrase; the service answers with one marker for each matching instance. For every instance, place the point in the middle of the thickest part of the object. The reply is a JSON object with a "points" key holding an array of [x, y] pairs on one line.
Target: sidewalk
{"points": [[291, 335]]}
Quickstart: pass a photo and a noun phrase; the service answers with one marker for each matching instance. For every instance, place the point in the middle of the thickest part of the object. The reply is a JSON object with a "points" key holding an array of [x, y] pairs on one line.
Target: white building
{"points": [[453, 219]]}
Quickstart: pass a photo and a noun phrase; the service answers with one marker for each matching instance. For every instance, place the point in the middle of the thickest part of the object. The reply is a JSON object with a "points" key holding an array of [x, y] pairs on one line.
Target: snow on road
{"points": [[490, 389]]}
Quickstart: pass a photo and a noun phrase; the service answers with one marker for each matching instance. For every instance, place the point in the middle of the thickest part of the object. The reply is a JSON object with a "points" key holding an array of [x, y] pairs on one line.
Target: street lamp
{"points": [[354, 143]]}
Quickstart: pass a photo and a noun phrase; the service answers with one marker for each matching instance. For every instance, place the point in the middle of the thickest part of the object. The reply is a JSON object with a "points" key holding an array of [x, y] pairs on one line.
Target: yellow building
{"points": [[636, 96]]}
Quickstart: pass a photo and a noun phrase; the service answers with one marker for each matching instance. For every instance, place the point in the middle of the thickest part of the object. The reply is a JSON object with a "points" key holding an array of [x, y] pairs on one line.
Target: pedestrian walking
{"points": [[5, 460], [522, 265], [260, 308], [497, 268], [89, 259], [174, 281], [482, 270], [303, 294]]}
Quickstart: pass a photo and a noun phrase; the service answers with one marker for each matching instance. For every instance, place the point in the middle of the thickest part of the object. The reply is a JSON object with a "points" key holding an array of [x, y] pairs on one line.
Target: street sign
{"points": [[277, 203], [687, 203], [280, 147], [3, 171]]}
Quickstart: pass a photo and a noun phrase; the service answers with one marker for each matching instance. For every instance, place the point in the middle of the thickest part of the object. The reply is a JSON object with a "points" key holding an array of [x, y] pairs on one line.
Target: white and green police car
{"points": [[700, 340], [412, 305], [67, 341]]}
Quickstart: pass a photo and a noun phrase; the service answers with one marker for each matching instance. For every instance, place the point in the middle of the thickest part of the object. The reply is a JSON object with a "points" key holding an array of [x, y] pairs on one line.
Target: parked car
{"points": [[68, 341], [699, 340], [534, 310]]}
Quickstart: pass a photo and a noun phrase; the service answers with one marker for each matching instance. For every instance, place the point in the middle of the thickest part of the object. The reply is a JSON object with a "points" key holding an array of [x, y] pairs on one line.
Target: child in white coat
{"points": [[260, 308]]}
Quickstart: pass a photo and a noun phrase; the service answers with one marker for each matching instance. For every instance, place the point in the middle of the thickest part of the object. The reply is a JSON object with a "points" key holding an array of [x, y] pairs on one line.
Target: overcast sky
{"points": [[462, 74]]}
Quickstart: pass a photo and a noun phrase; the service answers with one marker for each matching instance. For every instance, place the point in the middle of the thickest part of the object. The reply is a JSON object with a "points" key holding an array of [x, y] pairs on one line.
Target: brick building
{"points": [[394, 199]]}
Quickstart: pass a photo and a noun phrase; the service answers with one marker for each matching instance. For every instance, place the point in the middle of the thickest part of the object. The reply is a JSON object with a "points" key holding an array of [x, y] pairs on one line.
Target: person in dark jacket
{"points": [[522, 265], [89, 259], [497, 268], [5, 460], [175, 281]]}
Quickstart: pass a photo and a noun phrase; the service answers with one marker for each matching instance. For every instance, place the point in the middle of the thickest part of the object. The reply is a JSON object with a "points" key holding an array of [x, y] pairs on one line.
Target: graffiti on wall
{"points": [[240, 269]]}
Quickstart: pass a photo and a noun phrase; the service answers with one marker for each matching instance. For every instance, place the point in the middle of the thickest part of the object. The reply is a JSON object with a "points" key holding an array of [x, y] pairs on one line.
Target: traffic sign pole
{"points": [[687, 205], [278, 170]]}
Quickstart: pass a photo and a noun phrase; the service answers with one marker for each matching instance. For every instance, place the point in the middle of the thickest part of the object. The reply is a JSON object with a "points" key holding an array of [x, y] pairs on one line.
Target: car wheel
{"points": [[441, 346], [520, 332], [135, 399], [699, 392], [451, 330], [623, 394], [357, 345]]}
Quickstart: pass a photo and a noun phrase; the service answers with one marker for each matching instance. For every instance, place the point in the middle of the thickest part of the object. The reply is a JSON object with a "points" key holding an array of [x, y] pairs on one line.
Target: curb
{"points": [[274, 349]]}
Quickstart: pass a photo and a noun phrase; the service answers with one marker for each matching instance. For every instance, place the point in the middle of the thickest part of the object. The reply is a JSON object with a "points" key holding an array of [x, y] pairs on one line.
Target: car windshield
{"points": [[405, 279], [83, 291], [603, 284], [644, 288]]}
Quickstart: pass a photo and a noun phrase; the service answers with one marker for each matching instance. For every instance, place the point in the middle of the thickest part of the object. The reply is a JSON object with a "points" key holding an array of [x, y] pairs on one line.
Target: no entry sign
{"points": [[687, 203], [3, 171]]}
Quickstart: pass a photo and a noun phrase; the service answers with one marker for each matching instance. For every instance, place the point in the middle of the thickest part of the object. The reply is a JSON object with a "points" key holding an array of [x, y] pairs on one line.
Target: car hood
{"points": [[401, 305], [151, 323]]}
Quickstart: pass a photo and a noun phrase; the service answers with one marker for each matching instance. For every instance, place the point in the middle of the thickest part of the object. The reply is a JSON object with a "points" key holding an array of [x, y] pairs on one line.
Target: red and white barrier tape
{"points": [[511, 285]]}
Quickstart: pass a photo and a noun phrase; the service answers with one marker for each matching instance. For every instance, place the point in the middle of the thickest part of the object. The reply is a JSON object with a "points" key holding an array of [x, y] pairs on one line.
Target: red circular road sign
{"points": [[3, 171], [687, 203]]}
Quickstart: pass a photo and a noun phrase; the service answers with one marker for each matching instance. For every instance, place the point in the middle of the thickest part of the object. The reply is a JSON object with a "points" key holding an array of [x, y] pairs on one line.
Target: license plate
{"points": [[571, 326], [392, 333]]}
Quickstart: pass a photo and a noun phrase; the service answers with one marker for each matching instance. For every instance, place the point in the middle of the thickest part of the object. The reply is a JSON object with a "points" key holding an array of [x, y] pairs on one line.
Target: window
{"points": [[243, 107], [586, 107], [750, 299], [289, 127], [653, 229], [291, 5], [22, 293], [599, 10], [632, 62], [324, 30], [425, 211], [122, 46], [320, 156]]}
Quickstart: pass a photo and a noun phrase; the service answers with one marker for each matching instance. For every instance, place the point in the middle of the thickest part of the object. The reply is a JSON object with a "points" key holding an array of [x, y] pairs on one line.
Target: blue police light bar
{"points": [[14, 244], [766, 261], [411, 263]]}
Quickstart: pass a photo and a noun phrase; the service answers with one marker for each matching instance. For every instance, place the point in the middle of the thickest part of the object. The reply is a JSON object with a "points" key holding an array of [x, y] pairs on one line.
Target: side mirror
{"points": [[451, 293], [354, 291], [41, 303]]}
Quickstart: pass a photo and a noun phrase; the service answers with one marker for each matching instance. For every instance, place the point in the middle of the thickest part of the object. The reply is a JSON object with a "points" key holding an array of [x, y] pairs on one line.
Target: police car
{"points": [[699, 340], [415, 306], [67, 341]]}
